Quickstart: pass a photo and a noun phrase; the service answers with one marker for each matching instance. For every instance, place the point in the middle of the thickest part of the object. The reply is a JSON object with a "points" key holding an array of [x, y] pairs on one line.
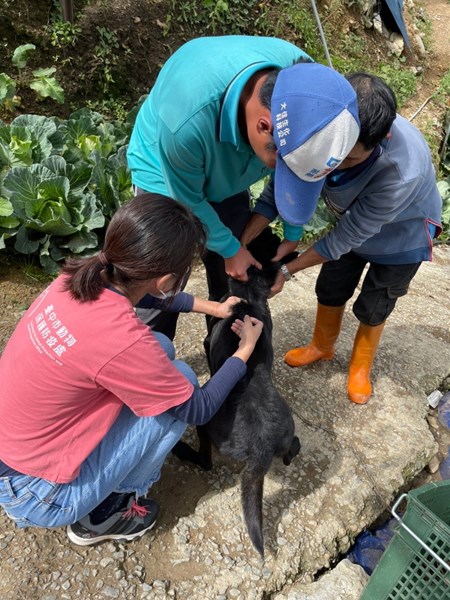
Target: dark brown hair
{"points": [[149, 236]]}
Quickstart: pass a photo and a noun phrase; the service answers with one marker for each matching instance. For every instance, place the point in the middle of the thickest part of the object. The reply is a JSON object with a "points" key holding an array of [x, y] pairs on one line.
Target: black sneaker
{"points": [[126, 524]]}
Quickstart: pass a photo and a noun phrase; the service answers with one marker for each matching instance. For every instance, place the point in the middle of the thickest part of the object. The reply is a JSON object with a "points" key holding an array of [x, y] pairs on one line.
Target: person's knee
{"points": [[186, 370], [373, 314], [38, 514], [330, 294], [166, 344]]}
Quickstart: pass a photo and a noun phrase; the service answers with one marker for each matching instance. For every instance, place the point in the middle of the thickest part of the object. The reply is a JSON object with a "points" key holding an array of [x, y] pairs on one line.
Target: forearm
{"points": [[265, 205], [206, 401], [265, 212], [182, 302], [310, 258], [254, 227], [206, 307]]}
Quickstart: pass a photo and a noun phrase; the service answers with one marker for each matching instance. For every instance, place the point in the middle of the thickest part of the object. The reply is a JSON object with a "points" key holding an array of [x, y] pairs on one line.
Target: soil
{"points": [[142, 36], [430, 119], [120, 47]]}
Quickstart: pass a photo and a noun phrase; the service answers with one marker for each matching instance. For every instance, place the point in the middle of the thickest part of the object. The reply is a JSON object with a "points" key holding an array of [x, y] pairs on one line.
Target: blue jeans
{"points": [[128, 459]]}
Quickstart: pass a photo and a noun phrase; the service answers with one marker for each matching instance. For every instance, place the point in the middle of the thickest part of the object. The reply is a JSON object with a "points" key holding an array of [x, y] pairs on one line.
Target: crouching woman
{"points": [[91, 400]]}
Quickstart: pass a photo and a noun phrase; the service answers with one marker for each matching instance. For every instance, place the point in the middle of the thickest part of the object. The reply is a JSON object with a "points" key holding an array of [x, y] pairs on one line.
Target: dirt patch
{"points": [[431, 113], [118, 49], [18, 289]]}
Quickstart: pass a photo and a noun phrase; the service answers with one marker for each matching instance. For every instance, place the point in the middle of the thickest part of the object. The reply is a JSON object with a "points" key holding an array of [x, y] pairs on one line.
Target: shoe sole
{"points": [[293, 363], [79, 541]]}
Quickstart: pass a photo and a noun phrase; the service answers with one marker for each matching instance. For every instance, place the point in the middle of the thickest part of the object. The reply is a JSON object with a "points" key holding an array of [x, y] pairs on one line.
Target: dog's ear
{"points": [[261, 281], [258, 286], [264, 246], [238, 288]]}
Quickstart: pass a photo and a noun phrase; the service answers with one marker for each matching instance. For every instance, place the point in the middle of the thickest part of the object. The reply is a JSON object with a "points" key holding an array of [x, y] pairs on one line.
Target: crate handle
{"points": [[411, 533]]}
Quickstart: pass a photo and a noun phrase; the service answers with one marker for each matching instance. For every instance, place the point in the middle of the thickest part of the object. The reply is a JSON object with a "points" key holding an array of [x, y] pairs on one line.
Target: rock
{"points": [[396, 44], [433, 465], [420, 45], [345, 582]]}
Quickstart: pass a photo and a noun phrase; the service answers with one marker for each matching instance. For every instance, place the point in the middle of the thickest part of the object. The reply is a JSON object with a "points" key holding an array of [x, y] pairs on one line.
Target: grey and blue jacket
{"points": [[390, 210]]}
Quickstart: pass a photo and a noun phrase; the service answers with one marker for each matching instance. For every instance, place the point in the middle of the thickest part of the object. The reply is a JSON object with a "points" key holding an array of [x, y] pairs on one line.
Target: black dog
{"points": [[255, 423]]}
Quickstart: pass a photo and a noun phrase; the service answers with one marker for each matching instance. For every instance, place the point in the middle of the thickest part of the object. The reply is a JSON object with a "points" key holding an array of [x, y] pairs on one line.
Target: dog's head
{"points": [[257, 288], [264, 247]]}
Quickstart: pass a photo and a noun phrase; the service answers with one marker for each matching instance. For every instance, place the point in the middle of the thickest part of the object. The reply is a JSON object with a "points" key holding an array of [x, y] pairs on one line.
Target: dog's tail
{"points": [[252, 485]]}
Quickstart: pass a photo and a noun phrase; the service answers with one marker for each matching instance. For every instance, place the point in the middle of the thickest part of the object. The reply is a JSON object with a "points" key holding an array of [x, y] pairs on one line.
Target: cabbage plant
{"points": [[60, 182]]}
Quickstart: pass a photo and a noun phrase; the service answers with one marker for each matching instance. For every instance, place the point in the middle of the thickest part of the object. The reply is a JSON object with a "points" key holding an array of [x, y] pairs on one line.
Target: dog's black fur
{"points": [[255, 423]]}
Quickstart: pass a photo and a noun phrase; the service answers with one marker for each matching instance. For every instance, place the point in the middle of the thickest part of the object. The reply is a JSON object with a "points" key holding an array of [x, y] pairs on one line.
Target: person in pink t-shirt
{"points": [[92, 401]]}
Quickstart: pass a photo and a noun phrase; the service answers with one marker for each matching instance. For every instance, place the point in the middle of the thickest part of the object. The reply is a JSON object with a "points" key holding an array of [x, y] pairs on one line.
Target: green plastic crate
{"points": [[416, 563]]}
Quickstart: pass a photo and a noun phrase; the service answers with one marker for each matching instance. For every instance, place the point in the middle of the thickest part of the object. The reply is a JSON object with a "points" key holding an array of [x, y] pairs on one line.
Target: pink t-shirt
{"points": [[67, 371]]}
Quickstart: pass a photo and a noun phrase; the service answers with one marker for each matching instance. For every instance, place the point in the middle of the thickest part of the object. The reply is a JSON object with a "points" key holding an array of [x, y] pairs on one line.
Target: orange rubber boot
{"points": [[321, 347], [365, 347]]}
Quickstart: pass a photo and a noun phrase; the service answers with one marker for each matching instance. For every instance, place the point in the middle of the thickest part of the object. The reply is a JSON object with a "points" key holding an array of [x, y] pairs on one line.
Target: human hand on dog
{"points": [[310, 258], [225, 309], [249, 331], [278, 285], [286, 247], [236, 266]]}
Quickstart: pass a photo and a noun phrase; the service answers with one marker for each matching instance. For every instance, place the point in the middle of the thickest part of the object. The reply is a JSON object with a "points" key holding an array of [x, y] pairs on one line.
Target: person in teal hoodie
{"points": [[225, 112], [388, 211]]}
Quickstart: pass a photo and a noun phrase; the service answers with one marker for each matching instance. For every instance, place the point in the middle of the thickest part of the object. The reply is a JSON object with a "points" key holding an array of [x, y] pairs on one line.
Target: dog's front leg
{"points": [[202, 457], [205, 448]]}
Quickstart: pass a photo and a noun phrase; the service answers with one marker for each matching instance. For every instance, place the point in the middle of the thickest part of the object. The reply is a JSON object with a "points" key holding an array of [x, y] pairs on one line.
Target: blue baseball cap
{"points": [[315, 119]]}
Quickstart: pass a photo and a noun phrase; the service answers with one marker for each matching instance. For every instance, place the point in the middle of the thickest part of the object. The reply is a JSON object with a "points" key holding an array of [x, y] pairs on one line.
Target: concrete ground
{"points": [[353, 463]]}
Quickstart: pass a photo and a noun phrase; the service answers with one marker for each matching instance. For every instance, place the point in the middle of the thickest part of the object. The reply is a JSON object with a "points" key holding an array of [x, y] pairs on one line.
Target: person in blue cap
{"points": [[209, 129], [388, 211]]}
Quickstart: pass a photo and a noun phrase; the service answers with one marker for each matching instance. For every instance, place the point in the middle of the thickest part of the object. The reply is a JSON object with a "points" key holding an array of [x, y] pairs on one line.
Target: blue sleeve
{"points": [[265, 206], [292, 232], [182, 302], [206, 401], [322, 248]]}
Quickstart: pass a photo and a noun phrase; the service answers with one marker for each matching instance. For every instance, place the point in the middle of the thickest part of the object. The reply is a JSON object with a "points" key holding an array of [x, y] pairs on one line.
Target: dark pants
{"points": [[382, 286], [234, 212]]}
